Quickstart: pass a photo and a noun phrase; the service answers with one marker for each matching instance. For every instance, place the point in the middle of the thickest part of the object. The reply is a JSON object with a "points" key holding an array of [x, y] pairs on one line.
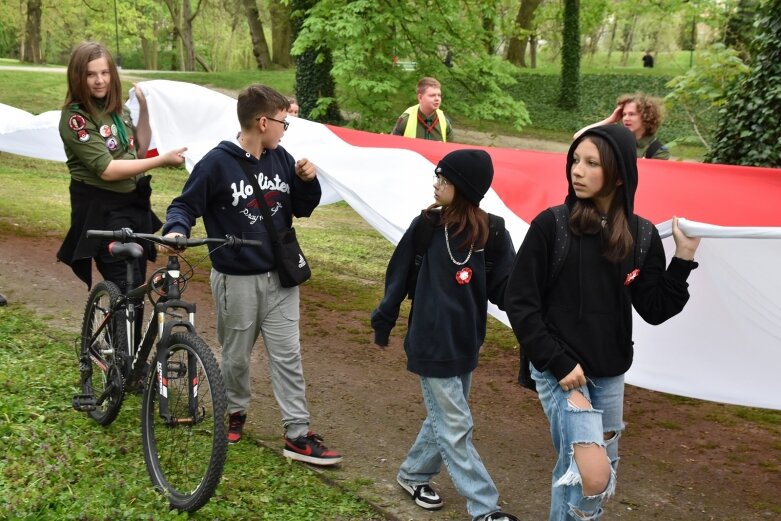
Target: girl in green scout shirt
{"points": [[108, 188]]}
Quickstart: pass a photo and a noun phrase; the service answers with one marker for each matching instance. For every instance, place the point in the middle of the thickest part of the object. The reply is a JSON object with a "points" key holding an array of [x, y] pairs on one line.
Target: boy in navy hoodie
{"points": [[248, 296]]}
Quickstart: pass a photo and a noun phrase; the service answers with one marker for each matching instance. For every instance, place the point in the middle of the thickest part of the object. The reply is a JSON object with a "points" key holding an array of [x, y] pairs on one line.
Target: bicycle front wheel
{"points": [[185, 450], [102, 352]]}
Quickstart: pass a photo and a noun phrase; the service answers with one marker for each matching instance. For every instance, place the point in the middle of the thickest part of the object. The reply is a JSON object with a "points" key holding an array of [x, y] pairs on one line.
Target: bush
{"points": [[598, 94]]}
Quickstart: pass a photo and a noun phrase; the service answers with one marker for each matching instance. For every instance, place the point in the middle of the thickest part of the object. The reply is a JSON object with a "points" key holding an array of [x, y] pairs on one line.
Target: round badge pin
{"points": [[83, 135], [111, 143], [76, 122], [105, 131], [113, 130]]}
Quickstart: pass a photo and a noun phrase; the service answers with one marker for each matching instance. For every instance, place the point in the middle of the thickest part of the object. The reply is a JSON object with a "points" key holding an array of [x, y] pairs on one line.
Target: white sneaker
{"points": [[424, 495]]}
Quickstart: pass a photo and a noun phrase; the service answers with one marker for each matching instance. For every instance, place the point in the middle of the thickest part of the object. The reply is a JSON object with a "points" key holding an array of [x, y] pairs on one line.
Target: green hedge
{"points": [[598, 94]]}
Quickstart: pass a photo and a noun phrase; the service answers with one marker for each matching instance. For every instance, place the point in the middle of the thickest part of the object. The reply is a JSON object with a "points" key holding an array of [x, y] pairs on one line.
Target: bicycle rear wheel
{"points": [[185, 455], [101, 358]]}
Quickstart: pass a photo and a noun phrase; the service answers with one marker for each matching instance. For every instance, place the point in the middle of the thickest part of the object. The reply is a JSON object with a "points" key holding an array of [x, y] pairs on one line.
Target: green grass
{"points": [[58, 464]]}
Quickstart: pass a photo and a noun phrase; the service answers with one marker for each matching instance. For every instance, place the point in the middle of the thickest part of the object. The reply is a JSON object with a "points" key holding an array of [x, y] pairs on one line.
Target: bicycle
{"points": [[183, 407]]}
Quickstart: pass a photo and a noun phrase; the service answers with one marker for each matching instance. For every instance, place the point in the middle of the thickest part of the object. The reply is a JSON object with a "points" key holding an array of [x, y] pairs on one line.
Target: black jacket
{"points": [[585, 315], [448, 320]]}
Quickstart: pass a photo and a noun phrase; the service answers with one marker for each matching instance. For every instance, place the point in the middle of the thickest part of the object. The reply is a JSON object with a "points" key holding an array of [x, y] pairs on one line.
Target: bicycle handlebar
{"points": [[179, 242]]}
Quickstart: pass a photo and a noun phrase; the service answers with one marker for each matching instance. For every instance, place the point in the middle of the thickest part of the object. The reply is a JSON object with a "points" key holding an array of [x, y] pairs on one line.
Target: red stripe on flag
{"points": [[530, 181]]}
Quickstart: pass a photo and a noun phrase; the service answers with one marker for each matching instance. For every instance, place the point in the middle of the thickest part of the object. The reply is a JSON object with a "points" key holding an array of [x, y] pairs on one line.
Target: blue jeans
{"points": [[446, 437], [571, 425]]}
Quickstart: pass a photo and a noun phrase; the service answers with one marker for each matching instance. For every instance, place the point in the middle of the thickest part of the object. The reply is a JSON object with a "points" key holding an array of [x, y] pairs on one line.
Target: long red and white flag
{"points": [[726, 344]]}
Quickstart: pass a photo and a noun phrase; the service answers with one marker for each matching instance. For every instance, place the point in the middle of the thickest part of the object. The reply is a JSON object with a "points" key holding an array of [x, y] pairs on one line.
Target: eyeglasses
{"points": [[440, 181], [285, 123]]}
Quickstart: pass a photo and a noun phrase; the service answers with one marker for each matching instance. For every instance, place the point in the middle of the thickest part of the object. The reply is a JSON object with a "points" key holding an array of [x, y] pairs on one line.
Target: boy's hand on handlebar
{"points": [[170, 249]]}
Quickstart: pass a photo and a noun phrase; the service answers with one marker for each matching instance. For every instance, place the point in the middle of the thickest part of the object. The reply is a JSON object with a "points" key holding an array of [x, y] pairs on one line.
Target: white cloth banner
{"points": [[726, 344]]}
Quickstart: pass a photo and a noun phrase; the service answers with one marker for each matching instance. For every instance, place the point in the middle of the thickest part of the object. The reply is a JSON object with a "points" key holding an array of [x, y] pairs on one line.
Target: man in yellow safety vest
{"points": [[425, 120]]}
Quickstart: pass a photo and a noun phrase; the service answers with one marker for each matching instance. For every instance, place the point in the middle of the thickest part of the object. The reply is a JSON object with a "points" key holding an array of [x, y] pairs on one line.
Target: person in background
{"points": [[425, 120], [109, 188], [293, 110], [248, 297], [447, 327], [642, 115], [648, 60], [576, 329]]}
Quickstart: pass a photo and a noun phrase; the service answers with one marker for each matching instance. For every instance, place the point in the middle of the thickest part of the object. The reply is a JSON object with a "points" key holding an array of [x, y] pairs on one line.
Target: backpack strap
{"points": [[561, 242], [495, 234], [421, 238], [653, 148]]}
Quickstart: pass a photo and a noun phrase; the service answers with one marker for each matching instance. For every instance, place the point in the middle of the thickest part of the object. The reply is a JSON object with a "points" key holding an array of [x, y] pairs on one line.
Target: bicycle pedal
{"points": [[84, 402]]}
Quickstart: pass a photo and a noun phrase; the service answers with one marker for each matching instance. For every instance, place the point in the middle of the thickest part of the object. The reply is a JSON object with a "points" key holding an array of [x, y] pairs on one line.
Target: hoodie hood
{"points": [[624, 144]]}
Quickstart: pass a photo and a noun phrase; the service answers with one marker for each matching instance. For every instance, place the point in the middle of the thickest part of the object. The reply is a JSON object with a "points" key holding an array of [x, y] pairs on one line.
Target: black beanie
{"points": [[470, 171]]}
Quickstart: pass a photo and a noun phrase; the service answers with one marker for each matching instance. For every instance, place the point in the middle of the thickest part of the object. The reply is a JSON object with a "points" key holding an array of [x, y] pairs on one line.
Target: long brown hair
{"points": [[586, 219], [461, 215], [78, 91]]}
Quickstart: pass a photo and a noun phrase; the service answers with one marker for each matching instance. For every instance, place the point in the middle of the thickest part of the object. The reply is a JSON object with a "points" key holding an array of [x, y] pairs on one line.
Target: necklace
{"points": [[447, 243]]}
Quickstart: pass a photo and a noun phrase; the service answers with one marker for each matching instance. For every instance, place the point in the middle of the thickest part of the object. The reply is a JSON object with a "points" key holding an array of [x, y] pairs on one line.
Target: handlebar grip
{"points": [[120, 235]]}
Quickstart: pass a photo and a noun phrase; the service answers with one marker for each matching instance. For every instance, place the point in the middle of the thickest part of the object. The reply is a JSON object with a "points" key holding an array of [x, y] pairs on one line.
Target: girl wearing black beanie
{"points": [[447, 326]]}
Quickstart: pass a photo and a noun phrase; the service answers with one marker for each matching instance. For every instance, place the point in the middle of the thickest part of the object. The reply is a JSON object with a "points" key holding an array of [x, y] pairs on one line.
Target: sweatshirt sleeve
{"points": [[305, 196], [500, 273], [658, 293], [396, 275], [524, 300], [190, 205]]}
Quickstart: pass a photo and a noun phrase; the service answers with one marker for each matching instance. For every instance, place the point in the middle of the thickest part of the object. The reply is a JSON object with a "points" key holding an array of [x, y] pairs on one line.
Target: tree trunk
{"points": [[629, 36], [186, 32], [612, 41], [517, 51], [533, 50], [31, 46], [281, 34], [569, 90], [182, 17], [149, 47], [259, 45]]}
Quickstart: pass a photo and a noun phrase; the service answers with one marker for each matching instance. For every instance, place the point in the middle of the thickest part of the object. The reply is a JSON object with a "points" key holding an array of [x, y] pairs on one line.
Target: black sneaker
{"points": [[310, 449], [500, 516], [235, 426], [424, 495]]}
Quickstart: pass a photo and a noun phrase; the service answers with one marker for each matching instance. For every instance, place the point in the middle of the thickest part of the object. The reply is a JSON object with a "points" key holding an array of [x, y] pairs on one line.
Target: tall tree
{"points": [[281, 34], [569, 90], [524, 21], [315, 87], [749, 129], [365, 37], [183, 16], [31, 47], [739, 29], [259, 44]]}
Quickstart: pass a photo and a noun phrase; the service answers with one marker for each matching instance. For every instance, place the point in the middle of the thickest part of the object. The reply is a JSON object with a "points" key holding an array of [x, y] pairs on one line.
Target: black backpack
{"points": [[642, 231], [424, 230]]}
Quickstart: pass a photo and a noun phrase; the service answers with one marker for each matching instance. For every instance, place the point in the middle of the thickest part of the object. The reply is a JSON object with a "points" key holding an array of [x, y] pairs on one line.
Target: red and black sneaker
{"points": [[310, 449], [235, 426]]}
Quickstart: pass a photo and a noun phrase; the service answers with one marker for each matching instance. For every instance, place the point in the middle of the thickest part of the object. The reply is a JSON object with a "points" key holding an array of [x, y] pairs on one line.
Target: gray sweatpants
{"points": [[249, 305]]}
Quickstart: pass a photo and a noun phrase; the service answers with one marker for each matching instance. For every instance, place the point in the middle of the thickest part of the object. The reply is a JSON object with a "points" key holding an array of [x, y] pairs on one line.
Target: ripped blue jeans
{"points": [[572, 425]]}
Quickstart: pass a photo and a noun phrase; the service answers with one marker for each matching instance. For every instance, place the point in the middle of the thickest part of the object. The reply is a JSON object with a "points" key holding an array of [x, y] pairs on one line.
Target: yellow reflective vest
{"points": [[411, 130]]}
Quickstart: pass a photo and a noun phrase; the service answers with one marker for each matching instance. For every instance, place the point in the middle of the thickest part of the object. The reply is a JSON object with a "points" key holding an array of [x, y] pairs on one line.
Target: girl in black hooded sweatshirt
{"points": [[577, 328]]}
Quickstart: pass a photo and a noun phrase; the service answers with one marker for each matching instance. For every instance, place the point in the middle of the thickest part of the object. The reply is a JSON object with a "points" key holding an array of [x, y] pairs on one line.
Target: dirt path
{"points": [[682, 460]]}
